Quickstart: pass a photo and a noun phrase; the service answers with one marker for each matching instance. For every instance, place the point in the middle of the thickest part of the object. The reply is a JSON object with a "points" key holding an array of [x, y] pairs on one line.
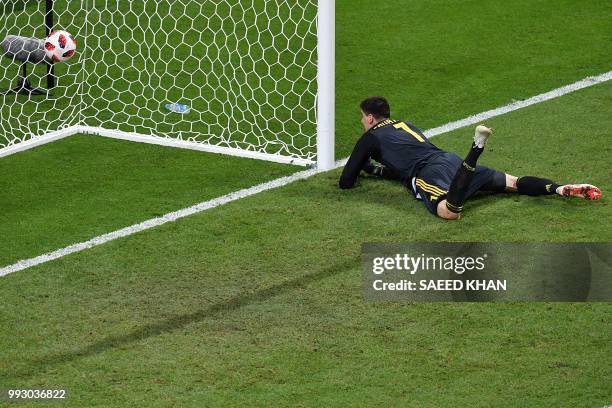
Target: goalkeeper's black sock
{"points": [[535, 186], [458, 188]]}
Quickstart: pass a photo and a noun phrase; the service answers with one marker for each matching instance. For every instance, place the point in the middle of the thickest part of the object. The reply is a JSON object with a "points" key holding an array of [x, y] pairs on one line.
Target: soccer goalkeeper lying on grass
{"points": [[442, 180]]}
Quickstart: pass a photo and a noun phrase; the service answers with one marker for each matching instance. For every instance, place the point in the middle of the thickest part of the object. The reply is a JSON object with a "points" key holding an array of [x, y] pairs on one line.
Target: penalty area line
{"points": [[283, 181]]}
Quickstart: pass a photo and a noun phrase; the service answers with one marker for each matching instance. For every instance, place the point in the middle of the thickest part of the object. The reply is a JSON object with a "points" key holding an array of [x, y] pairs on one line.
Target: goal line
{"points": [[283, 181], [149, 139]]}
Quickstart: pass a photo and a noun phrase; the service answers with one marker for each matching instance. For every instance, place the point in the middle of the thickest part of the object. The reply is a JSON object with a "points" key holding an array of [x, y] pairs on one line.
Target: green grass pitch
{"points": [[259, 302]]}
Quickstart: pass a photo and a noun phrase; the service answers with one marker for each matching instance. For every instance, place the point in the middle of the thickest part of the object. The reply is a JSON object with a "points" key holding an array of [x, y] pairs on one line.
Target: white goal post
{"points": [[256, 77]]}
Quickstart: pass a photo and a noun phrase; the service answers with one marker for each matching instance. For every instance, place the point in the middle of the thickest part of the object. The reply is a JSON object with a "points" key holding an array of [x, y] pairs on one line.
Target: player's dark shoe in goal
{"points": [[586, 191]]}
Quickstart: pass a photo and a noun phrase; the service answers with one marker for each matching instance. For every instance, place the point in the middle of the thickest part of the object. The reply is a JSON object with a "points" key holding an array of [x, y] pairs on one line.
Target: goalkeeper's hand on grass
{"points": [[373, 169]]}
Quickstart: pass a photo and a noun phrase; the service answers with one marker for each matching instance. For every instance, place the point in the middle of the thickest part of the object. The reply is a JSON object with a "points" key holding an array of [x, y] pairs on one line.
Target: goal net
{"points": [[249, 73]]}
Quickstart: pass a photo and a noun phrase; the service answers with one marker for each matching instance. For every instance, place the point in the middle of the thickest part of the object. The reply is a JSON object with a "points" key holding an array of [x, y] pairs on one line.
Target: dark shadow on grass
{"points": [[180, 321]]}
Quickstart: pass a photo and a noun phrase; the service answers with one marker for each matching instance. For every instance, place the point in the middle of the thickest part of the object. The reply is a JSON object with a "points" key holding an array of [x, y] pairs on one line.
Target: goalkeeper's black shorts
{"points": [[433, 181]]}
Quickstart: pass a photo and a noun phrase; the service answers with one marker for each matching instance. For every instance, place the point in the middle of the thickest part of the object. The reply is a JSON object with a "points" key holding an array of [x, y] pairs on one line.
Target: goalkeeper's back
{"points": [[403, 147], [400, 146]]}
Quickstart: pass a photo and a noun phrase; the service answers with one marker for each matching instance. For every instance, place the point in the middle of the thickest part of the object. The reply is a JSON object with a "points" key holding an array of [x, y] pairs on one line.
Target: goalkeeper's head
{"points": [[373, 110]]}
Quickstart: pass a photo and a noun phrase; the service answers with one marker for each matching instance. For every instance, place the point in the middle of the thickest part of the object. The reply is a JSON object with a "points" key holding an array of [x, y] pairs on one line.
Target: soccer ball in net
{"points": [[60, 46]]}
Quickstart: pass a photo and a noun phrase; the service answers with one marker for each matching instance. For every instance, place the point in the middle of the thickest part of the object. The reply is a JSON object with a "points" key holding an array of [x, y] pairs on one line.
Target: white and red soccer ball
{"points": [[60, 46]]}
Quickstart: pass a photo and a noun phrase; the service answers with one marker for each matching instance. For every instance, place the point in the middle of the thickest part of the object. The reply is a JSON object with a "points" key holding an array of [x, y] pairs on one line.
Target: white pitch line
{"points": [[155, 222], [283, 181], [555, 93]]}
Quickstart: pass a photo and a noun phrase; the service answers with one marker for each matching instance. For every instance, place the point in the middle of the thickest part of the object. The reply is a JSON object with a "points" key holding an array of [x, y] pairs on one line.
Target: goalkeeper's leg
{"points": [[536, 186], [451, 207]]}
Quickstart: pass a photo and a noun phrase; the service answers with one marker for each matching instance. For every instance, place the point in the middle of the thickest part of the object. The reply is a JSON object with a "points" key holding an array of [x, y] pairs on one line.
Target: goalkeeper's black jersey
{"points": [[400, 146]]}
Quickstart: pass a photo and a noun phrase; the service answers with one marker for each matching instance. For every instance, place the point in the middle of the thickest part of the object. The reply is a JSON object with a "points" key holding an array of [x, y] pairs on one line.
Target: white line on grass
{"points": [[237, 195], [555, 93]]}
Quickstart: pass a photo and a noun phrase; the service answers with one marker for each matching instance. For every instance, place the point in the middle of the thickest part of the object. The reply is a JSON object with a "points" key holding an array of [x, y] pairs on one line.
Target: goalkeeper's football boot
{"points": [[481, 134], [586, 191]]}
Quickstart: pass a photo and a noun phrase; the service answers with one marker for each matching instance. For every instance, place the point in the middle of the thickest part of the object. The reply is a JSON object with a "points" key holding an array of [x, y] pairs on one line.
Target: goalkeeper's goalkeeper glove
{"points": [[374, 170]]}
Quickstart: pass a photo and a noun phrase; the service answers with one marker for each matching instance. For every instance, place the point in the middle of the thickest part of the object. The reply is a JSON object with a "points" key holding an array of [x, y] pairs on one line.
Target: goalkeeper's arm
{"points": [[359, 158]]}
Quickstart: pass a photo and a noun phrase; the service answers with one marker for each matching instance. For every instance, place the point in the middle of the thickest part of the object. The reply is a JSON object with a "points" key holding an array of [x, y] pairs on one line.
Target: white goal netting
{"points": [[247, 70]]}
